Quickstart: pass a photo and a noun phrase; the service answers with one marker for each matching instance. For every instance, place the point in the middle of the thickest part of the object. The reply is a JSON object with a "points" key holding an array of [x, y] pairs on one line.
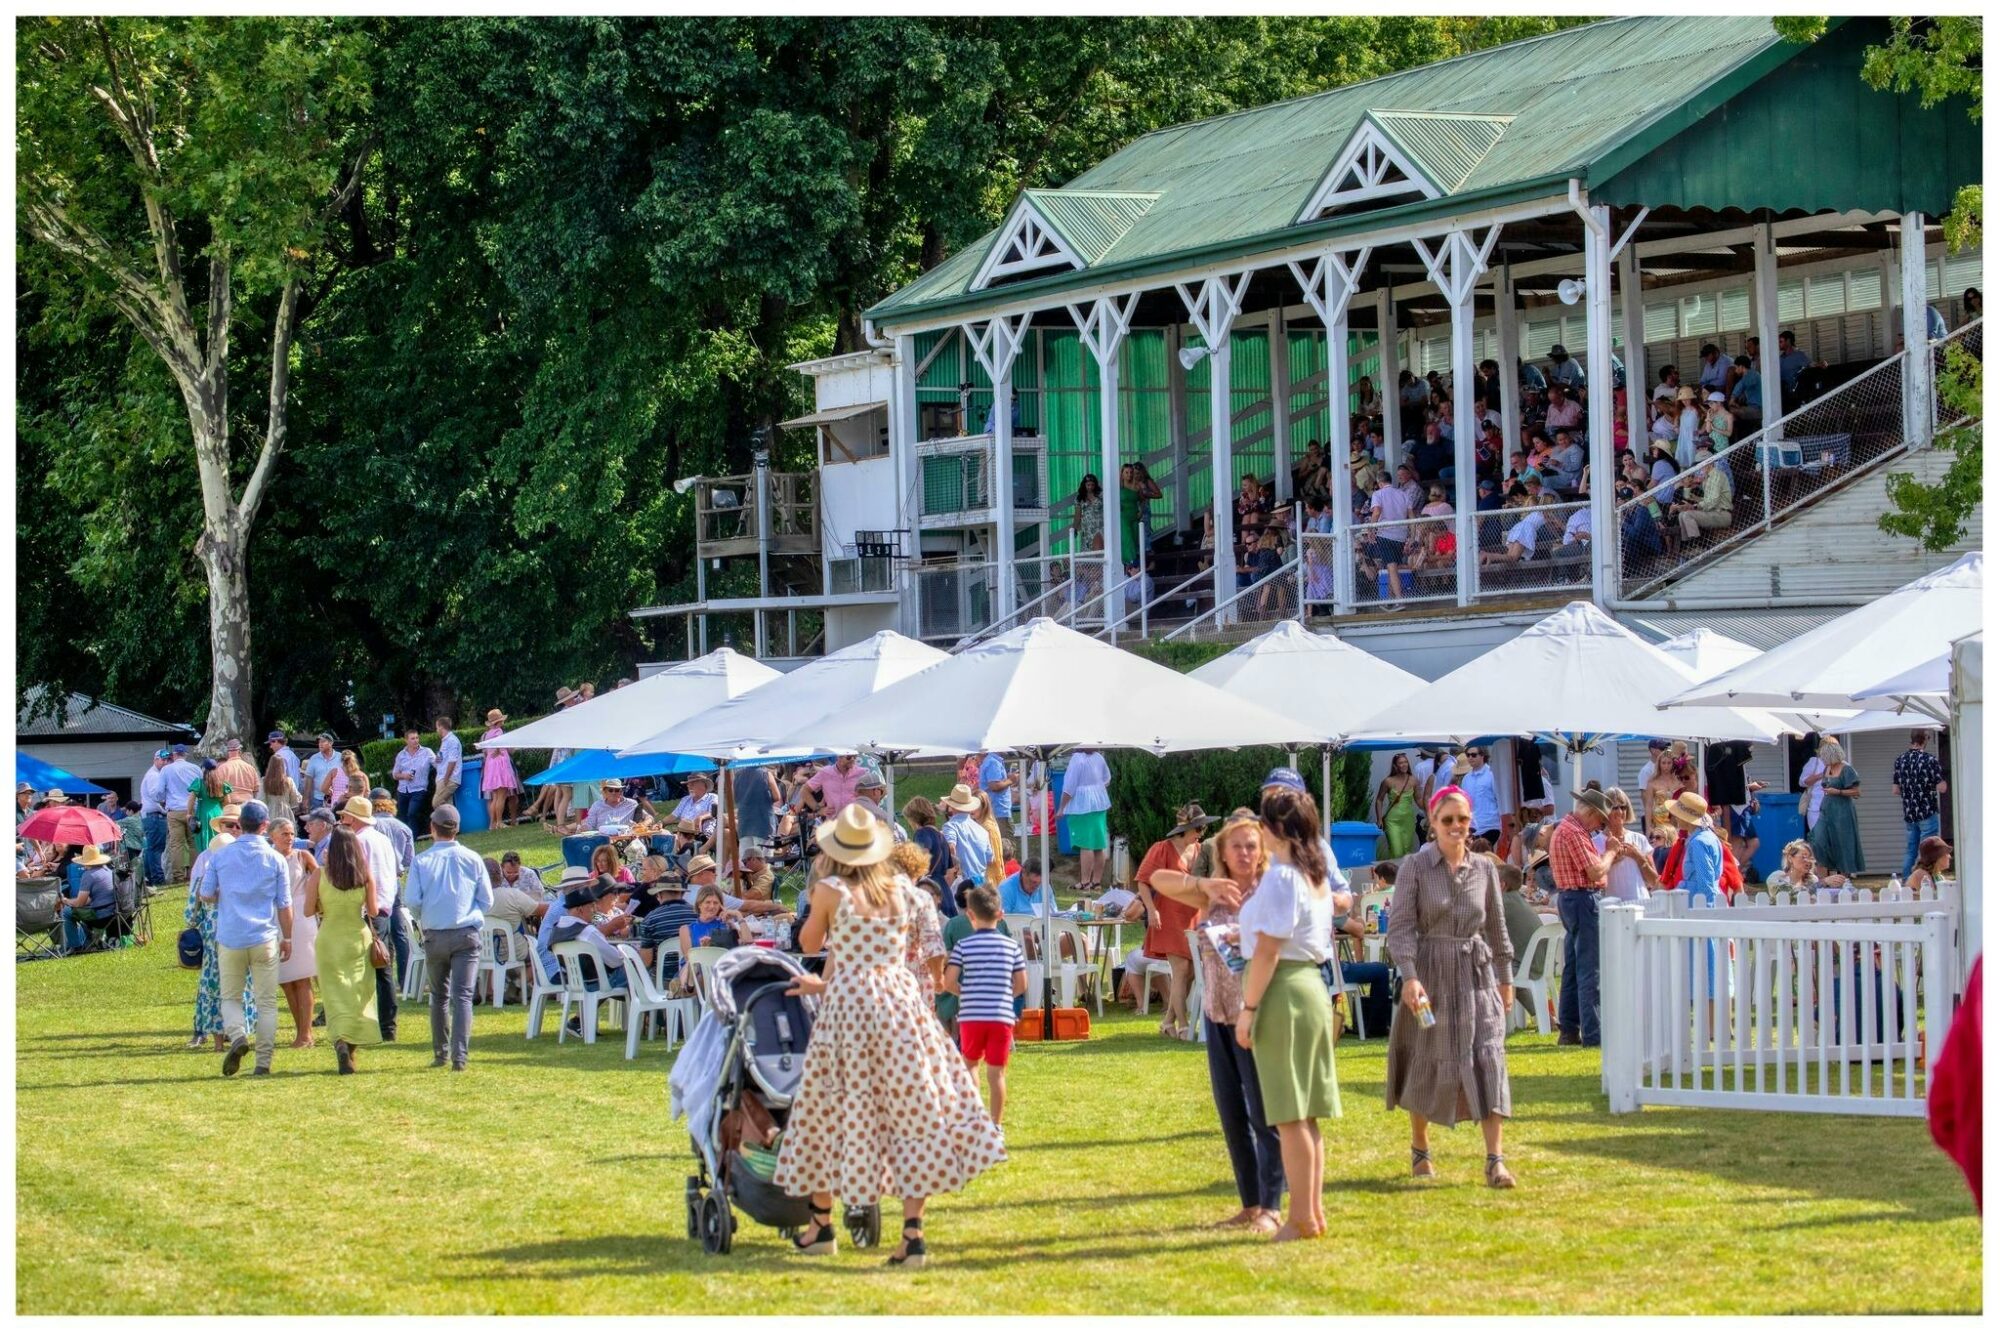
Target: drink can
{"points": [[1425, 1018]]}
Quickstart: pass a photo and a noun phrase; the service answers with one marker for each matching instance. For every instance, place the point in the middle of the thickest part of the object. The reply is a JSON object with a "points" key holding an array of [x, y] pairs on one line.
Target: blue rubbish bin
{"points": [[577, 848], [1777, 822], [471, 806], [1063, 844], [1353, 843]]}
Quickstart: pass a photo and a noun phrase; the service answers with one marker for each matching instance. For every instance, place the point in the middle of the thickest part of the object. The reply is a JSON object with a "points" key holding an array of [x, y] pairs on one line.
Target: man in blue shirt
{"points": [[1791, 361], [449, 892], [275, 742], [153, 813], [320, 769], [96, 899], [998, 786], [1021, 892], [1746, 400], [970, 851], [251, 887], [1565, 369], [175, 780]]}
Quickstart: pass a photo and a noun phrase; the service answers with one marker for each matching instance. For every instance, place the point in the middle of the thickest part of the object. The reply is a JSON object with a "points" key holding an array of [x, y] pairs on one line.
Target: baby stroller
{"points": [[735, 1081]]}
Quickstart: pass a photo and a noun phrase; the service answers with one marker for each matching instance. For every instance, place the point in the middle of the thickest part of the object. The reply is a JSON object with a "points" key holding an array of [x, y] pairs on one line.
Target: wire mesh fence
{"points": [[948, 602], [1533, 548]]}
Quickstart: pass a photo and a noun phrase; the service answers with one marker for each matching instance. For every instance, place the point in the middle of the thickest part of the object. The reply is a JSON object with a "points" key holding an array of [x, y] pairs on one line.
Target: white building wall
{"points": [[855, 496], [116, 764], [849, 625]]}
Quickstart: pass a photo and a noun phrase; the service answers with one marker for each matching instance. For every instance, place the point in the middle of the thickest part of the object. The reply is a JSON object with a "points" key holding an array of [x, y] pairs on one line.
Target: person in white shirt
{"points": [[153, 816], [358, 817], [276, 741], [694, 815], [612, 806], [1576, 532], [1477, 783], [1632, 877], [520, 897], [321, 768], [1521, 539], [450, 760], [1086, 802], [411, 768], [1812, 781]]}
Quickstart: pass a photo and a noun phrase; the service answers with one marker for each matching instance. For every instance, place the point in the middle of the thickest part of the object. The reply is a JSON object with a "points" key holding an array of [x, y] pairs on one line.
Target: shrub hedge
{"points": [[1145, 791]]}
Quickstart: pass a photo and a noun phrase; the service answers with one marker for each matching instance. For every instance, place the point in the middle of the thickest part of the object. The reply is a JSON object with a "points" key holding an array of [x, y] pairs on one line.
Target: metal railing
{"points": [[1701, 512], [947, 602], [1533, 548], [1151, 610], [1059, 587], [1276, 596], [726, 507]]}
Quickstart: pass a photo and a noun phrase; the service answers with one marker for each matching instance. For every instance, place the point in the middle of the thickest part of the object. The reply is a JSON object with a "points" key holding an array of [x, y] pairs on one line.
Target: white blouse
{"points": [[1087, 783], [1286, 908]]}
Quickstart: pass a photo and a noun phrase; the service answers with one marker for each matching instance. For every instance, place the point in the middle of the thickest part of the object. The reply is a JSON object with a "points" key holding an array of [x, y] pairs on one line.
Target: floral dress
{"points": [[886, 1106], [208, 990]]}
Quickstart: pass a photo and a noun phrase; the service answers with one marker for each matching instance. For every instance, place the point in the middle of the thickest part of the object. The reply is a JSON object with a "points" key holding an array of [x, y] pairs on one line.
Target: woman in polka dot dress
{"points": [[886, 1106]]}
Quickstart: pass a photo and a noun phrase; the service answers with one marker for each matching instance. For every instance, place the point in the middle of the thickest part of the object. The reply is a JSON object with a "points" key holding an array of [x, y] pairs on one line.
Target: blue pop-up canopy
{"points": [[44, 776], [600, 765]]}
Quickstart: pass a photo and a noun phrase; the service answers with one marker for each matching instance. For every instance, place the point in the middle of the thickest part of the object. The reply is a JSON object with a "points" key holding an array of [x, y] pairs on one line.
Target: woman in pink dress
{"points": [[497, 782]]}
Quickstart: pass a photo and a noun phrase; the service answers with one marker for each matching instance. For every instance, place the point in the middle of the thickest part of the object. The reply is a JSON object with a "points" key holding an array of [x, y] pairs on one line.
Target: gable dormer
{"points": [[1395, 156], [1050, 230]]}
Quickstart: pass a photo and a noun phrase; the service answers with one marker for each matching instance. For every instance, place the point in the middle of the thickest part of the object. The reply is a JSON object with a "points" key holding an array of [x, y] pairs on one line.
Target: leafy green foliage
{"points": [[1938, 513], [1146, 791]]}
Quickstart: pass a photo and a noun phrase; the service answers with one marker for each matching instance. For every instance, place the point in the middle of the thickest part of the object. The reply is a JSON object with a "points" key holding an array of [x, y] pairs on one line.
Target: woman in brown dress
{"points": [[1448, 938]]}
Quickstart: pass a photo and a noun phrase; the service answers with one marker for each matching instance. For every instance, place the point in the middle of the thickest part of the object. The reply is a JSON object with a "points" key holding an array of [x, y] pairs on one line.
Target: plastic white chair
{"points": [[501, 956], [577, 956], [541, 992], [1079, 970], [1197, 1029], [644, 1000], [1535, 975], [699, 966], [1155, 967], [666, 963], [1023, 926], [416, 974]]}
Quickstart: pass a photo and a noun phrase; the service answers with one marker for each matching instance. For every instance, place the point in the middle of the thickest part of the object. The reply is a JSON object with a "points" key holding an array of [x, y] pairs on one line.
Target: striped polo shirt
{"points": [[987, 961]]}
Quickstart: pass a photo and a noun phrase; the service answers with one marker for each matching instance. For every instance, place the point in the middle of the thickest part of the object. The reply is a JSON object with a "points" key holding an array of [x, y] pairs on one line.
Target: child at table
{"points": [[986, 970]]}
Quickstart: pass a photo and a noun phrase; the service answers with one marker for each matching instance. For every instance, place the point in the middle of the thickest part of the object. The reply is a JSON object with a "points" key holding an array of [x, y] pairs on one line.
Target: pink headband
{"points": [[1442, 792]]}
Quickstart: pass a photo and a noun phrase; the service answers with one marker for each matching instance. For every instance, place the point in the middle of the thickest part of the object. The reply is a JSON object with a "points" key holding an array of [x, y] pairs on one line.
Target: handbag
{"points": [[378, 948]]}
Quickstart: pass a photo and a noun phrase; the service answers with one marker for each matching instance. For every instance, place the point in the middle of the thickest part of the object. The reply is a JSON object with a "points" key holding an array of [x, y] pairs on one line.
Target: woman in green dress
{"points": [[1836, 838], [210, 796], [1136, 489], [1396, 808], [342, 896]]}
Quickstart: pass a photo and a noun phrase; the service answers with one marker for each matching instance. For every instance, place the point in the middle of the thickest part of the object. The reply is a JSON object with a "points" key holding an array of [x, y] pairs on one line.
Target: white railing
{"points": [[1274, 597], [1769, 473], [1062, 587], [850, 574], [1899, 906], [1149, 611], [1724, 1008]]}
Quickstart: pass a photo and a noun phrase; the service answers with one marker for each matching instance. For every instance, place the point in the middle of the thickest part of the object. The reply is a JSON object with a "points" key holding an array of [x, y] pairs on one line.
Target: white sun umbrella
{"points": [[746, 727], [1924, 688], [1706, 653], [1040, 688], [1833, 666], [1328, 686], [1576, 678], [1710, 654], [644, 708]]}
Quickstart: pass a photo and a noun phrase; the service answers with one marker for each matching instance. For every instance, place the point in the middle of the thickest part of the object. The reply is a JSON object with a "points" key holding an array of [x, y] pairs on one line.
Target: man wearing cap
{"points": [[411, 769], [1580, 871], [965, 836], [754, 861], [613, 806], [320, 769], [251, 887], [358, 817], [238, 773], [319, 825], [449, 893], [176, 780], [869, 793], [153, 815], [450, 760], [276, 741], [1336, 879]]}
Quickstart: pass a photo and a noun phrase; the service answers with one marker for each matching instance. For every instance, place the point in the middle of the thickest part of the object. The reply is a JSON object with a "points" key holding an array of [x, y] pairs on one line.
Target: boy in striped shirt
{"points": [[986, 970]]}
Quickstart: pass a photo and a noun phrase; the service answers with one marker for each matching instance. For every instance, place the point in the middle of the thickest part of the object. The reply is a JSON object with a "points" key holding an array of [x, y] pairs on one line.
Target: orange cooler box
{"points": [[1071, 1025]]}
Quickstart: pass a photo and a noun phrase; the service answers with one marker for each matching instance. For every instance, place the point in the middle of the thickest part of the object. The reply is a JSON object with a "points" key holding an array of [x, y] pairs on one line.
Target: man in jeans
{"points": [[153, 815], [251, 887], [449, 892], [1919, 781], [1580, 875]]}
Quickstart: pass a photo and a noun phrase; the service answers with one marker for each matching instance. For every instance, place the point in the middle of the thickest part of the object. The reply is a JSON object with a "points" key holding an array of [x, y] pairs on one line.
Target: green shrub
{"points": [[1145, 791]]}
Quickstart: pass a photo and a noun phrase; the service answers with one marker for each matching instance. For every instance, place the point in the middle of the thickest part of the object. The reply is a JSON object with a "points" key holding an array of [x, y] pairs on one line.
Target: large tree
{"points": [[184, 173]]}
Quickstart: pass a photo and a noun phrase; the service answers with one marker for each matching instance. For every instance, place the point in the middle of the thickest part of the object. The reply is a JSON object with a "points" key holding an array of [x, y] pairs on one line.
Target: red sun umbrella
{"points": [[69, 825]]}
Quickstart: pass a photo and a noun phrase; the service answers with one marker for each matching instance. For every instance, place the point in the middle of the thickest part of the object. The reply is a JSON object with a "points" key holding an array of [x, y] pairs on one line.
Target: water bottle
{"points": [[1425, 1018], [1895, 889]]}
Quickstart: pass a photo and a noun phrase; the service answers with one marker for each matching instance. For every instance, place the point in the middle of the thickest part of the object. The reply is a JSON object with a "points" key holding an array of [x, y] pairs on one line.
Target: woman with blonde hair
{"points": [[996, 865], [886, 1105], [1286, 931], [352, 780], [296, 973], [1448, 1041]]}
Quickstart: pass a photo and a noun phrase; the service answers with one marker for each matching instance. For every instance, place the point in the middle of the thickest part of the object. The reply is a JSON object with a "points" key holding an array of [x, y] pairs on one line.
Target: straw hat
{"points": [[705, 779], [221, 840], [564, 694], [1687, 808], [92, 856], [230, 814], [701, 865], [612, 784], [359, 808], [56, 798], [961, 799], [1686, 395], [857, 838], [494, 717]]}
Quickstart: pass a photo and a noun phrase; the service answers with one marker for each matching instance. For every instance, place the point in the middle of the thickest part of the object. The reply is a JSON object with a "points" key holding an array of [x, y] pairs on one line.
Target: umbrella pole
{"points": [[1048, 940], [1325, 784]]}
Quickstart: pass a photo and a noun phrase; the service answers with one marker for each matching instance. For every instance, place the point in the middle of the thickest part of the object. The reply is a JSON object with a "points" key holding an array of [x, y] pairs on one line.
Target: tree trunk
{"points": [[229, 707]]}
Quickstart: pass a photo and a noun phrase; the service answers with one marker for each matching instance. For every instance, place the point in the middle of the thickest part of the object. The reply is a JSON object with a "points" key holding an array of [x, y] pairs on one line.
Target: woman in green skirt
{"points": [[1286, 930]]}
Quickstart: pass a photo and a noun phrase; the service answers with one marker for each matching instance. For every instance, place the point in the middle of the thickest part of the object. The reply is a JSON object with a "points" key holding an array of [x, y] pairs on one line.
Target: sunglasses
{"points": [[1453, 821]]}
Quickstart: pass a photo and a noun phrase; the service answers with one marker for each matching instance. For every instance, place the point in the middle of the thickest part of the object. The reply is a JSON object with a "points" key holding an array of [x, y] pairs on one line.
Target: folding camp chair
{"points": [[37, 922]]}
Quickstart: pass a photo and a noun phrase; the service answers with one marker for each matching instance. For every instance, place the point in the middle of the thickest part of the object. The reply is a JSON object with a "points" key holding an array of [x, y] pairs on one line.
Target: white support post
{"points": [[1638, 375], [1455, 266], [1102, 328], [1177, 427], [1618, 933], [1392, 371], [1764, 256], [1602, 418], [1917, 396], [1507, 330], [1212, 308], [996, 343], [1329, 289], [1278, 341], [905, 429]]}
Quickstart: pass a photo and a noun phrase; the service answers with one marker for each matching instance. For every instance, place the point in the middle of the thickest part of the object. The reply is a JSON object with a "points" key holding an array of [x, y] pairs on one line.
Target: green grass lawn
{"points": [[549, 1179]]}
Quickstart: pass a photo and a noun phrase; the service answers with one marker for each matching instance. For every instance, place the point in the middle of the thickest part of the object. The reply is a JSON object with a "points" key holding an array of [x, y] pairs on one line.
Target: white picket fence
{"points": [[1824, 1006]]}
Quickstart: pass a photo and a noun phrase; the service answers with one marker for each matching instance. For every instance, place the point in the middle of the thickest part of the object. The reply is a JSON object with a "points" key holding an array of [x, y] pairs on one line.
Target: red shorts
{"points": [[986, 1042]]}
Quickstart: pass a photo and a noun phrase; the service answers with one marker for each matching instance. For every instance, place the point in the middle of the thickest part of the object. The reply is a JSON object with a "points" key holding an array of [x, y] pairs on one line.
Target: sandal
{"points": [[820, 1238], [1420, 1164], [912, 1253], [1497, 1174]]}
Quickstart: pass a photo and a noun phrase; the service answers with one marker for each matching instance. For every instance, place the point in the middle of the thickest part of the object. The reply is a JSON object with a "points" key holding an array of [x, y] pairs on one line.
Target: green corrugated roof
{"points": [[1446, 147], [1572, 97], [1091, 220]]}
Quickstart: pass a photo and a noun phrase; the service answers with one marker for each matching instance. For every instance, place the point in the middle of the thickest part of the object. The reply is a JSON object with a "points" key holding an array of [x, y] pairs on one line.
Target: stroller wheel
{"points": [[694, 1216], [718, 1227], [864, 1225]]}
